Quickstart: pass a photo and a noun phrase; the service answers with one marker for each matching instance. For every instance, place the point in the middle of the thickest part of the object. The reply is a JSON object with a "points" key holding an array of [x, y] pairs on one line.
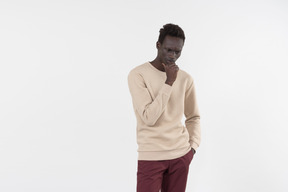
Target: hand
{"points": [[193, 150], [171, 73]]}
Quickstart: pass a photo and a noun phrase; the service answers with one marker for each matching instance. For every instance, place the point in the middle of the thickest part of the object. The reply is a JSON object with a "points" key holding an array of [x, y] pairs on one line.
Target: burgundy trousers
{"points": [[167, 175]]}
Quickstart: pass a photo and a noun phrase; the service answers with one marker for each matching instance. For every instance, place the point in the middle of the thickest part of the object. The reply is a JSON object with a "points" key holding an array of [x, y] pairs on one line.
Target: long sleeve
{"points": [[148, 109], [192, 116]]}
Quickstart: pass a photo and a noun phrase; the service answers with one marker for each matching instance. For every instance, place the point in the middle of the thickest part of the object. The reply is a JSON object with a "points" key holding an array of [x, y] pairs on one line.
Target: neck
{"points": [[158, 64]]}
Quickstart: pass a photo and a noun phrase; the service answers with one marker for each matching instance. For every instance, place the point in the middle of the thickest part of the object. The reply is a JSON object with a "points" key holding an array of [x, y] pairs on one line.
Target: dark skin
{"points": [[168, 53]]}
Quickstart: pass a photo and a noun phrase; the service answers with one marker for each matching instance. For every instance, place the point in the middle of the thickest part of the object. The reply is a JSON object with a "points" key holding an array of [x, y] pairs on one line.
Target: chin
{"points": [[170, 62]]}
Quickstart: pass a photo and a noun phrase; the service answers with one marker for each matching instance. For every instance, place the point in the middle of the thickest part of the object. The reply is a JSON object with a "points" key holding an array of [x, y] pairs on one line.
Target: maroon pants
{"points": [[167, 175]]}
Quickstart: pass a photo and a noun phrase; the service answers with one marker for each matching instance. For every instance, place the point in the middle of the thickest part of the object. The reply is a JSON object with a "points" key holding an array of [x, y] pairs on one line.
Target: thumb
{"points": [[164, 66]]}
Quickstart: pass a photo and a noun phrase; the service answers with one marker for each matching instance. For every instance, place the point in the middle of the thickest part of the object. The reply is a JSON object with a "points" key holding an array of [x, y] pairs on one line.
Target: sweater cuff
{"points": [[193, 145]]}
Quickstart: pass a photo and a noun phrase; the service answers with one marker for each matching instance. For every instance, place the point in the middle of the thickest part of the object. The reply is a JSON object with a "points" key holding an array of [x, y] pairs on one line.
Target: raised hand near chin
{"points": [[171, 73]]}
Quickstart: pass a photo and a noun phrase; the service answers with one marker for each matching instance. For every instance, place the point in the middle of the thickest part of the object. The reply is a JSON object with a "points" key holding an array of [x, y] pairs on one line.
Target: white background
{"points": [[66, 116]]}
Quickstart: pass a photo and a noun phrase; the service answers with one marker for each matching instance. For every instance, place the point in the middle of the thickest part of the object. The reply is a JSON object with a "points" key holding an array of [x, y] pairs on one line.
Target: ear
{"points": [[158, 44]]}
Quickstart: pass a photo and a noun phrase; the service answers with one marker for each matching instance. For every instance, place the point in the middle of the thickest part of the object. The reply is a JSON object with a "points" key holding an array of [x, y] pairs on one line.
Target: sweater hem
{"points": [[163, 155]]}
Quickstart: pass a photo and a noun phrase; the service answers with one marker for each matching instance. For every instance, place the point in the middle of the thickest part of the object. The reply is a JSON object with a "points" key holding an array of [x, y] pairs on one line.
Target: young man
{"points": [[161, 94]]}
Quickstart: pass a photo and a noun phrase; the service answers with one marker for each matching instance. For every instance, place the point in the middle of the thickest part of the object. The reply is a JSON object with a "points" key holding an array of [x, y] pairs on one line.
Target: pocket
{"points": [[190, 155]]}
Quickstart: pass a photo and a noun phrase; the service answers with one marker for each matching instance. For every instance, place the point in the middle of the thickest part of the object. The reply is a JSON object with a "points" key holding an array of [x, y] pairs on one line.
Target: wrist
{"points": [[193, 150], [169, 82]]}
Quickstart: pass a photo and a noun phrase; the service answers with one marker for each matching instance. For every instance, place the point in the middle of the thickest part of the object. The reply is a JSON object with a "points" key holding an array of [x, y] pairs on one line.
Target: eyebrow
{"points": [[173, 49]]}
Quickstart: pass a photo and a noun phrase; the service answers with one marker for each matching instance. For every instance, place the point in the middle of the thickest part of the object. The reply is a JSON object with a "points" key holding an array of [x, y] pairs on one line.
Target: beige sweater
{"points": [[159, 110]]}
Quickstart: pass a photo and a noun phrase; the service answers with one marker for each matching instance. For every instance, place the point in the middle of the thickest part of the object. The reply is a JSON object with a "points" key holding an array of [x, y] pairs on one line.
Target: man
{"points": [[161, 94]]}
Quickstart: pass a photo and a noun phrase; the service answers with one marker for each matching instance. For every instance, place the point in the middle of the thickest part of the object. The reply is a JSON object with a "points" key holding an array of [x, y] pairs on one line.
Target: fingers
{"points": [[176, 67], [171, 73], [171, 66]]}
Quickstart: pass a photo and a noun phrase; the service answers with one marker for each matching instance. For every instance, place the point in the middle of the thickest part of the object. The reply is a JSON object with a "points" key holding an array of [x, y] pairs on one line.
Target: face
{"points": [[170, 50]]}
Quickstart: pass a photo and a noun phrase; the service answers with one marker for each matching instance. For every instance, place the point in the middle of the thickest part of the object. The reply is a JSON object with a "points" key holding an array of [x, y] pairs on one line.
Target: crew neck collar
{"points": [[154, 68]]}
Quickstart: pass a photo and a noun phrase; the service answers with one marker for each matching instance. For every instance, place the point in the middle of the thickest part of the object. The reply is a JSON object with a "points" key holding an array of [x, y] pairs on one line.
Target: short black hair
{"points": [[171, 30]]}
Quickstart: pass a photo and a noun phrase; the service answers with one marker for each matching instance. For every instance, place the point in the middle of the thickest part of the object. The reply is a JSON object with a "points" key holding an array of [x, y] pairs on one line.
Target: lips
{"points": [[169, 62]]}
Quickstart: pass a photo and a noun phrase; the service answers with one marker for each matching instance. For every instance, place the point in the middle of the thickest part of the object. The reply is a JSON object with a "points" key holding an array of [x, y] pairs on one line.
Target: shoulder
{"points": [[136, 74], [185, 76], [138, 69]]}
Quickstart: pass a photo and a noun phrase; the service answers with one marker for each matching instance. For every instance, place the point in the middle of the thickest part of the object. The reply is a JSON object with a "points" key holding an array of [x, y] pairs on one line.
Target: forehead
{"points": [[173, 42]]}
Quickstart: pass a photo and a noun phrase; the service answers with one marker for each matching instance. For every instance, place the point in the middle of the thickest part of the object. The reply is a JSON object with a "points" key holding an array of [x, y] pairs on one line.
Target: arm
{"points": [[148, 109], [192, 116]]}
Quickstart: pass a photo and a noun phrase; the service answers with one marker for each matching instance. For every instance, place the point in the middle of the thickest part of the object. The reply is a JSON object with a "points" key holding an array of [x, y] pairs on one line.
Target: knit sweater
{"points": [[159, 109]]}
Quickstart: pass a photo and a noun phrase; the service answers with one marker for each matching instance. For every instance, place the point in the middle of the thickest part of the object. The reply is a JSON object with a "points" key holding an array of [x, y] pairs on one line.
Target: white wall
{"points": [[66, 117]]}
